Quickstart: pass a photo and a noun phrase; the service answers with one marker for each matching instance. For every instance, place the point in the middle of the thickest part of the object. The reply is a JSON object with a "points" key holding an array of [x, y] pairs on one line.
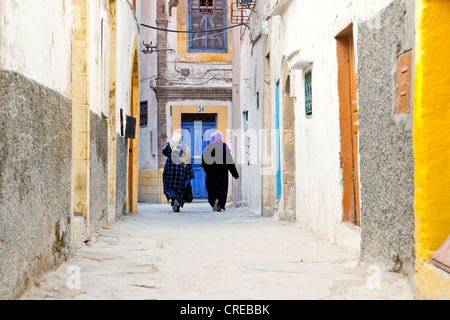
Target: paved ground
{"points": [[199, 254]]}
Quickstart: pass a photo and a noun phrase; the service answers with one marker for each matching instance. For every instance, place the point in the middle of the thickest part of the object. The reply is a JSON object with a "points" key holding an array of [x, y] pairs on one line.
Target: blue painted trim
{"points": [[278, 136], [308, 91]]}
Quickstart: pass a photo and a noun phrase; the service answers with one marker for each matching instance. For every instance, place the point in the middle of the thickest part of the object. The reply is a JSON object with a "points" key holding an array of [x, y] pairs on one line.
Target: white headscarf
{"points": [[176, 139], [181, 150]]}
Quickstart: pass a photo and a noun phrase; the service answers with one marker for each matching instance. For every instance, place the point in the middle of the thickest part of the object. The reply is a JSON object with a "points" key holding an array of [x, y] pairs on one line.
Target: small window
{"points": [[204, 15], [308, 94], [144, 114], [245, 120], [122, 131], [152, 144], [257, 100]]}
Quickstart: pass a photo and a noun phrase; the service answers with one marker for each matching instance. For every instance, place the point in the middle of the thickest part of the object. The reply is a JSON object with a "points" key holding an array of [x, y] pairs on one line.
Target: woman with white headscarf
{"points": [[177, 171]]}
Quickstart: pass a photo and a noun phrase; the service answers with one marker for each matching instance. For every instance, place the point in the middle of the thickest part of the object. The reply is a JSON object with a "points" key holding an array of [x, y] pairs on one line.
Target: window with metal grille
{"points": [[308, 94], [203, 117], [204, 15], [122, 132], [245, 120], [144, 114]]}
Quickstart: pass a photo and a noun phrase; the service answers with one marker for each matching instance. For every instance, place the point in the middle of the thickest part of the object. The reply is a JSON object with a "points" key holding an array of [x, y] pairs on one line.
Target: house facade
{"points": [[342, 106], [67, 89]]}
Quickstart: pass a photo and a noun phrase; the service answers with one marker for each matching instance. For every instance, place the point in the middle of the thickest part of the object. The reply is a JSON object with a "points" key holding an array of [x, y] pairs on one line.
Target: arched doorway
{"points": [[133, 144]]}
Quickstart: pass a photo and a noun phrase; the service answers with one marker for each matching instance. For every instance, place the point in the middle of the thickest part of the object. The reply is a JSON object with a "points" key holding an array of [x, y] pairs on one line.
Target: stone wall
{"points": [[121, 176], [386, 153], [35, 181], [98, 172], [150, 186]]}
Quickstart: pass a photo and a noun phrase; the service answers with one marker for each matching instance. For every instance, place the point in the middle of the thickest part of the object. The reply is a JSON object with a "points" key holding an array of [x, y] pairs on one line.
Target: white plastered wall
{"points": [[45, 54], [148, 153], [127, 30], [307, 40]]}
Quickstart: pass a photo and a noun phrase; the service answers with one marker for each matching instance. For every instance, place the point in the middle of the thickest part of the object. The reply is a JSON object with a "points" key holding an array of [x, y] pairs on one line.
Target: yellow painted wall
{"points": [[221, 111], [151, 187], [133, 144], [184, 55], [112, 20], [431, 136], [80, 109]]}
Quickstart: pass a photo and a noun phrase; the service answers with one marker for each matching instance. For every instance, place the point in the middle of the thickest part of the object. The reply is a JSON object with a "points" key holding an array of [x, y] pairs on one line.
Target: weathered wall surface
{"points": [[148, 154], [127, 31], [35, 180], [36, 46], [35, 143], [305, 39], [128, 40], [248, 90], [98, 172], [121, 176], [386, 153]]}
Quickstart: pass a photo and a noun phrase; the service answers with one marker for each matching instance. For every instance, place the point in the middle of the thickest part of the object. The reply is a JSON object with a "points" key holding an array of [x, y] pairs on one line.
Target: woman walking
{"points": [[217, 162], [177, 171]]}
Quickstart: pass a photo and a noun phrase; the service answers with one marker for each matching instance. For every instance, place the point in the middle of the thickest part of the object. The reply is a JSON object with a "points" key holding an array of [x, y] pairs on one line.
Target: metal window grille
{"points": [[308, 94], [245, 120], [143, 121], [241, 11], [122, 132], [206, 15], [193, 117]]}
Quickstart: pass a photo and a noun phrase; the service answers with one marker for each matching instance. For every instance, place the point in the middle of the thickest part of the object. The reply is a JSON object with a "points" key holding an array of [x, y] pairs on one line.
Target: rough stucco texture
{"points": [[386, 153], [121, 177], [35, 185], [98, 176]]}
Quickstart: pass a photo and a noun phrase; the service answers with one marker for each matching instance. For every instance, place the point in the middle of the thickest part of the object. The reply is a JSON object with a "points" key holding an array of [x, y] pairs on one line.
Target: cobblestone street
{"points": [[199, 254]]}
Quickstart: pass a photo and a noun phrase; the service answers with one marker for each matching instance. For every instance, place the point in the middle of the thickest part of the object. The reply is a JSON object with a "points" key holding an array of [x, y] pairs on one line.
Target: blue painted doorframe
{"points": [[197, 136], [278, 138]]}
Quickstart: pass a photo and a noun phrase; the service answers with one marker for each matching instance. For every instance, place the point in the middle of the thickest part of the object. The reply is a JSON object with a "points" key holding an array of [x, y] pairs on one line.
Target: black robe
{"points": [[217, 161]]}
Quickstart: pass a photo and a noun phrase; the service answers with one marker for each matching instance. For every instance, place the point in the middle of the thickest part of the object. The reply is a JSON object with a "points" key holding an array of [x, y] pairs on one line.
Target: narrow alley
{"points": [[199, 254]]}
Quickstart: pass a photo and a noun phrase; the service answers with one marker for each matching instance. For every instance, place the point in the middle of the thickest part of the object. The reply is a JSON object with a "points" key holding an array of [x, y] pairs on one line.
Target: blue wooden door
{"points": [[197, 136]]}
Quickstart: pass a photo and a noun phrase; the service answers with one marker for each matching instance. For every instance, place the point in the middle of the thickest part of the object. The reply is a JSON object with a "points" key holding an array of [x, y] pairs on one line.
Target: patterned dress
{"points": [[176, 174]]}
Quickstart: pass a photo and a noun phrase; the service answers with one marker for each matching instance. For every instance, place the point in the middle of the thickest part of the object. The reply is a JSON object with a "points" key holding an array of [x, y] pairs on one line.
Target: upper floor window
{"points": [[143, 121], [308, 94], [206, 15]]}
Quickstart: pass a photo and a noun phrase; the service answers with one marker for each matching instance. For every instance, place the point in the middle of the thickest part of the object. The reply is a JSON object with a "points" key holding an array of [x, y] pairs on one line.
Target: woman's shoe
{"points": [[175, 206], [216, 203], [218, 209]]}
